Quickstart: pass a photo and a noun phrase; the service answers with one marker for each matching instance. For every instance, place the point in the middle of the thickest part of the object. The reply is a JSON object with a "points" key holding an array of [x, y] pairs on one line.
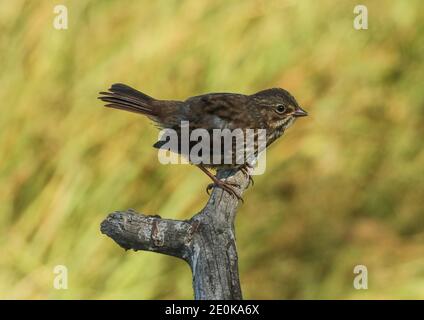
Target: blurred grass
{"points": [[343, 187]]}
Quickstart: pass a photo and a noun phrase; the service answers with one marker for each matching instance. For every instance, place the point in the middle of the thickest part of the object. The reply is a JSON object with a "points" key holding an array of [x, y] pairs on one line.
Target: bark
{"points": [[206, 241]]}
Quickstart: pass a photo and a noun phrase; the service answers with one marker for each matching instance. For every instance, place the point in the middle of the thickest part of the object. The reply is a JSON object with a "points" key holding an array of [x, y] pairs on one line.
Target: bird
{"points": [[272, 110]]}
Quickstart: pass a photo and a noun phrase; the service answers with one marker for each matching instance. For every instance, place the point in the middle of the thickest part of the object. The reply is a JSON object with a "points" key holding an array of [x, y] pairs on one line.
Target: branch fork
{"points": [[206, 241]]}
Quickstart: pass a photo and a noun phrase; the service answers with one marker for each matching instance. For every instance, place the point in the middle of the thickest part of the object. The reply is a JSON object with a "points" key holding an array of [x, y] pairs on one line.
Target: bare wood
{"points": [[207, 241]]}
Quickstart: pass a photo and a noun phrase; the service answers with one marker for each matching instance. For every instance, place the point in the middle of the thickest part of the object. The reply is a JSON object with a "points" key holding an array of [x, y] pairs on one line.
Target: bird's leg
{"points": [[245, 169], [227, 186]]}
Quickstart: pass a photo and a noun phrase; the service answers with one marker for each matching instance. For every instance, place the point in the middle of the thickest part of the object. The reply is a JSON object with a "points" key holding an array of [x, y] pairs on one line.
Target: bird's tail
{"points": [[121, 96]]}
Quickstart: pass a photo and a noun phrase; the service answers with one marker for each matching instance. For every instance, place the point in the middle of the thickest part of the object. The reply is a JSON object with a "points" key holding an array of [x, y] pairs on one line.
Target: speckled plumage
{"points": [[273, 109]]}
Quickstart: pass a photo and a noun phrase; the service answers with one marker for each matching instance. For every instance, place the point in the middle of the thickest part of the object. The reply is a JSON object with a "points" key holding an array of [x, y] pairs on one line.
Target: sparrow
{"points": [[272, 110]]}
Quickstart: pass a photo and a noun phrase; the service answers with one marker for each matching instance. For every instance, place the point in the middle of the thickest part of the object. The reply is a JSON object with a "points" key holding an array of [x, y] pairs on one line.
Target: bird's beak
{"points": [[299, 112]]}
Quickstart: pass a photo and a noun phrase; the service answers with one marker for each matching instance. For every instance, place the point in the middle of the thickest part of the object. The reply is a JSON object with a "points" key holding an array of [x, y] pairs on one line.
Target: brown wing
{"points": [[220, 111], [217, 111]]}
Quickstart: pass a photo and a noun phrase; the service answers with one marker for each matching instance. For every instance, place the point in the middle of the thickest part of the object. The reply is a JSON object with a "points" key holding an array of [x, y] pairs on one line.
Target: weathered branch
{"points": [[206, 241]]}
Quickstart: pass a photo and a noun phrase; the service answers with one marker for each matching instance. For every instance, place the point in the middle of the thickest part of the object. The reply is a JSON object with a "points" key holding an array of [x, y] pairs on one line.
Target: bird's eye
{"points": [[280, 108]]}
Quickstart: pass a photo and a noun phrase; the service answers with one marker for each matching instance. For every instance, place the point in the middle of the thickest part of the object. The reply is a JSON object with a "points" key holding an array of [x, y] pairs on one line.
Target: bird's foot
{"points": [[246, 171], [227, 186]]}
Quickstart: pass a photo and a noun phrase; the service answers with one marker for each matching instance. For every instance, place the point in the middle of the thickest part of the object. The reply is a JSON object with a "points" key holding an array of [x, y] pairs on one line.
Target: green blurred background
{"points": [[343, 187]]}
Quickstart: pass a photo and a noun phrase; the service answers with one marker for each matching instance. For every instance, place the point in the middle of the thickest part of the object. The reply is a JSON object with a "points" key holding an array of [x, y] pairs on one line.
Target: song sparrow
{"points": [[273, 110]]}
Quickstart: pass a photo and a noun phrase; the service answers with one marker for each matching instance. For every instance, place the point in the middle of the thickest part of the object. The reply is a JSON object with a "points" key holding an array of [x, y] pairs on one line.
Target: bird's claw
{"points": [[227, 186], [245, 170], [209, 187]]}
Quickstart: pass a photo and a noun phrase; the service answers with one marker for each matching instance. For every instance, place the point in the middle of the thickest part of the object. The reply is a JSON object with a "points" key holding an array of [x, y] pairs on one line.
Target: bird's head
{"points": [[278, 108]]}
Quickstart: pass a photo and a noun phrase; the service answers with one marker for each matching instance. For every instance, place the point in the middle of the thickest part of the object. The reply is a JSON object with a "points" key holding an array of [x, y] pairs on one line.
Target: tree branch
{"points": [[206, 241]]}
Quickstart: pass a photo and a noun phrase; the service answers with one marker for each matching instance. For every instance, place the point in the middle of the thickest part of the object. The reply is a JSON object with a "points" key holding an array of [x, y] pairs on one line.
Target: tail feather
{"points": [[123, 97], [123, 88]]}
